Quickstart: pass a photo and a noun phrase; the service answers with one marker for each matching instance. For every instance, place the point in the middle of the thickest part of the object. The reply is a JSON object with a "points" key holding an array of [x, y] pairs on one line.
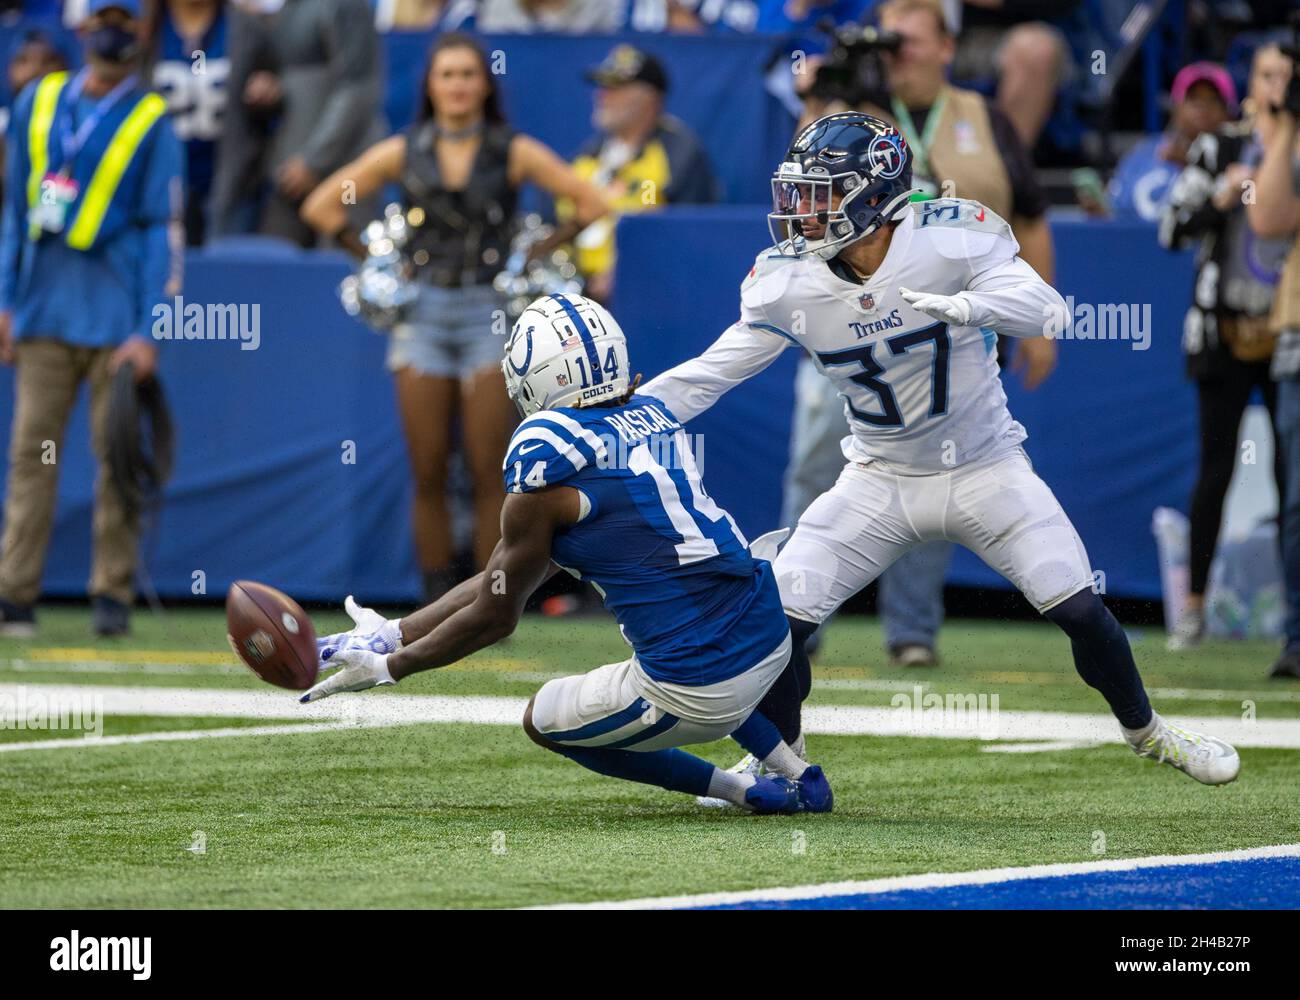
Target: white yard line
{"points": [[117, 667], [1213, 694], [72, 743], [1044, 746], [936, 880], [398, 709], [1075, 727], [385, 709]]}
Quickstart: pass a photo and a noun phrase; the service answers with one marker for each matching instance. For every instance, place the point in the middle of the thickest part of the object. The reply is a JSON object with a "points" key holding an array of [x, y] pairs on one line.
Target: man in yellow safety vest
{"points": [[88, 249]]}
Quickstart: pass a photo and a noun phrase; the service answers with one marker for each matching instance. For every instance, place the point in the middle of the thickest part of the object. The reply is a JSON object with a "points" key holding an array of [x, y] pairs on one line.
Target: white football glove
{"points": [[358, 670], [373, 633], [951, 309]]}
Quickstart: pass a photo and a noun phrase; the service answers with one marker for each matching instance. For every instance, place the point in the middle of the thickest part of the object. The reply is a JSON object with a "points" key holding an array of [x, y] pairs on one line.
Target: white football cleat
{"points": [[1187, 632], [748, 764], [1209, 761]]}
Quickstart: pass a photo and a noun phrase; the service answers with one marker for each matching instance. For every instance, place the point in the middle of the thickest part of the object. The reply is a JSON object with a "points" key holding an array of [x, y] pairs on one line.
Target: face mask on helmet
{"points": [[846, 176]]}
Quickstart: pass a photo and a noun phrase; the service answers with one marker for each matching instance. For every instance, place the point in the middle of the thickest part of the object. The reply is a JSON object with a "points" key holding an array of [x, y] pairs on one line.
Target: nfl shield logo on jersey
{"points": [[867, 301]]}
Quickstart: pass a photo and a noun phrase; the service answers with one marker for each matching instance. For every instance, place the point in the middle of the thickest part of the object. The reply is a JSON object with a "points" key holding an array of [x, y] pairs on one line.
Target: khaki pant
{"points": [[49, 374]]}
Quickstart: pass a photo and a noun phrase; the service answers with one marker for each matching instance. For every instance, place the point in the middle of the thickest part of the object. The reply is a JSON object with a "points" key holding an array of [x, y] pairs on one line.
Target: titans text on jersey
{"points": [[919, 395]]}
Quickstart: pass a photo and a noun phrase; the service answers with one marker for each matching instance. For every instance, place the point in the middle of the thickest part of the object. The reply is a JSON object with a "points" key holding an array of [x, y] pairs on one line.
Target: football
{"points": [[272, 634]]}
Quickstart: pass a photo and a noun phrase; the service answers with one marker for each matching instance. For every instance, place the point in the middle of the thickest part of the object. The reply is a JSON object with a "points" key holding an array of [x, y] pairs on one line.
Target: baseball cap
{"points": [[1204, 72], [628, 64], [132, 7]]}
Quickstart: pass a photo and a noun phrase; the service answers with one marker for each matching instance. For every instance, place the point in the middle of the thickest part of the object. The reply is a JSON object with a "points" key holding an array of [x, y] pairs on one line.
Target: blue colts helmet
{"points": [[845, 176]]}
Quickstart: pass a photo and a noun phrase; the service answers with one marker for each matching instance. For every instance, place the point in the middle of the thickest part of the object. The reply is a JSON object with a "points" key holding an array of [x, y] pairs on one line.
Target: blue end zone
{"points": [[1265, 883]]}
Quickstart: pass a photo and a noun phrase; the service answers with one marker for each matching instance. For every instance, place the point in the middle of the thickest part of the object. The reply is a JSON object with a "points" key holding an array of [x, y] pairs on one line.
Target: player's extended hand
{"points": [[373, 633], [358, 670], [950, 309]]}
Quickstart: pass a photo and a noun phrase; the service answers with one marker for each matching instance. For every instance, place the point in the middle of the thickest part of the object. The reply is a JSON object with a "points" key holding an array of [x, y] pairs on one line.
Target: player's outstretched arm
{"points": [[1010, 298], [420, 623], [519, 564], [693, 386]]}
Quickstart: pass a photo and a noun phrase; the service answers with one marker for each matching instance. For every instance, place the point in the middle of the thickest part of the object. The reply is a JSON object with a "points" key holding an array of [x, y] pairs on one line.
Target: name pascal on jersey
{"points": [[867, 329], [638, 423]]}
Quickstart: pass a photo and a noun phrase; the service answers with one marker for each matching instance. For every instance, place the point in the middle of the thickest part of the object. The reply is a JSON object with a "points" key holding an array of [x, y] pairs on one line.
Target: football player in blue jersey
{"points": [[601, 482]]}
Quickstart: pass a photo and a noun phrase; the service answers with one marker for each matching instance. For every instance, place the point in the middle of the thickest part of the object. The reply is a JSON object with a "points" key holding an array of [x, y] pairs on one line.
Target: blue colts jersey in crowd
{"points": [[670, 563], [195, 93]]}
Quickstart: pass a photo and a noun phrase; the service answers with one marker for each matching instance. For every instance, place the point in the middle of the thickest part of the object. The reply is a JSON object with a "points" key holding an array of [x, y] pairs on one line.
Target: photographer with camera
{"points": [[1226, 335], [1274, 213], [963, 147]]}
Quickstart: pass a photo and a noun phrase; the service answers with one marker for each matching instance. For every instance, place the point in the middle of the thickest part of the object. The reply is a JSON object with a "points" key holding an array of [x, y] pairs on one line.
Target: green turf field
{"points": [[460, 814]]}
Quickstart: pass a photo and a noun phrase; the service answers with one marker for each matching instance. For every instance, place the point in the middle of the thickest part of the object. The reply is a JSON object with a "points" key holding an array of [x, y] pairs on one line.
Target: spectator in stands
{"points": [[310, 95], [1226, 334], [692, 16], [34, 57], [459, 167], [1204, 99], [551, 15], [962, 147], [82, 267], [1030, 56], [1274, 213], [781, 17], [190, 42], [443, 15], [640, 156]]}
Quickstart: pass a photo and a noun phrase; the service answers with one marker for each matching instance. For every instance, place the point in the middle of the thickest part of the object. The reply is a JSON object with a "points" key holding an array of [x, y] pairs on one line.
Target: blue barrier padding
{"points": [[261, 488]]}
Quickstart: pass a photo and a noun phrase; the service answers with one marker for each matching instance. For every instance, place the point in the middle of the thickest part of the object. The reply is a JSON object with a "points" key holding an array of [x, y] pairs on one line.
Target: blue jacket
{"points": [[99, 296]]}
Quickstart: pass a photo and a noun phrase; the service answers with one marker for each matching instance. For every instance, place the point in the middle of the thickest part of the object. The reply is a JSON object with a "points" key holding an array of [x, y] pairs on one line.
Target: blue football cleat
{"points": [[769, 795], [815, 794]]}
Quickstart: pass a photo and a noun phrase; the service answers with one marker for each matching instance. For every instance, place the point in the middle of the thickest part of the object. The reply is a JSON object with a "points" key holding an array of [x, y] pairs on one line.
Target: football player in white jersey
{"points": [[900, 304]]}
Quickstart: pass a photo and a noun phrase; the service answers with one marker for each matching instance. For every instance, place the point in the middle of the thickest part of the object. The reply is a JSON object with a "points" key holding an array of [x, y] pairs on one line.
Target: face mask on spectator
{"points": [[113, 43]]}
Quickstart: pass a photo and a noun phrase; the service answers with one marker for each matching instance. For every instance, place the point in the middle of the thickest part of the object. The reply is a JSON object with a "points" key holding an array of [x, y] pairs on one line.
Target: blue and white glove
{"points": [[955, 310], [358, 669], [373, 633]]}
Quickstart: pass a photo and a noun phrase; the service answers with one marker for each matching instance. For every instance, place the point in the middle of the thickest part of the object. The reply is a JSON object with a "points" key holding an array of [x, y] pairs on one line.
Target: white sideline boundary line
{"points": [[934, 880]]}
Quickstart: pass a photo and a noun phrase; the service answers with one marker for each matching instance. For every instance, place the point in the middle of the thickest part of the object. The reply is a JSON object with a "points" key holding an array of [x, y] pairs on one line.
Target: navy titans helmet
{"points": [[845, 176]]}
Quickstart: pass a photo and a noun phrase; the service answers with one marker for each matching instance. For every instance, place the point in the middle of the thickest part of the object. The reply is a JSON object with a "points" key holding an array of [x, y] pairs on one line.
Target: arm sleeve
{"points": [[1012, 299], [160, 208], [354, 96], [1190, 213], [693, 386]]}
